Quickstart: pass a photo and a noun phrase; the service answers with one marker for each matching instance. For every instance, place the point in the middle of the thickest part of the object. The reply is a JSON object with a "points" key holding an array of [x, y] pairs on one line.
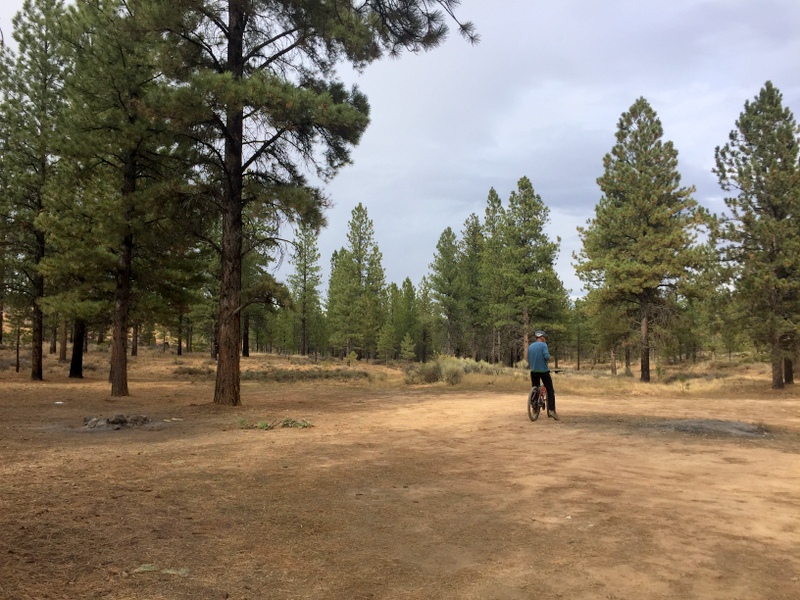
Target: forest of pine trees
{"points": [[154, 163]]}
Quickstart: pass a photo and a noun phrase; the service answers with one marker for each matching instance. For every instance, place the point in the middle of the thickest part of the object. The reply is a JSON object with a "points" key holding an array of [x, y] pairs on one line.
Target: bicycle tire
{"points": [[534, 405]]}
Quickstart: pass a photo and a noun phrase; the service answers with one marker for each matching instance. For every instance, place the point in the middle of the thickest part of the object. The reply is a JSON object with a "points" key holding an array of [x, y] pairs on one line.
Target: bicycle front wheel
{"points": [[533, 404]]}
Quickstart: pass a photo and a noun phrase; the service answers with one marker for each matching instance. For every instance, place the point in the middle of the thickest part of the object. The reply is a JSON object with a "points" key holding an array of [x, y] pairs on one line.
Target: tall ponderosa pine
{"points": [[445, 283], [406, 319], [641, 238], [535, 292], [305, 282], [472, 303], [357, 288], [123, 153], [32, 102], [759, 164], [260, 91], [499, 315]]}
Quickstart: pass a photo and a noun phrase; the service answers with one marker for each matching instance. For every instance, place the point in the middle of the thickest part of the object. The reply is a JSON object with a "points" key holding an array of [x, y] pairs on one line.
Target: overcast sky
{"points": [[540, 96]]}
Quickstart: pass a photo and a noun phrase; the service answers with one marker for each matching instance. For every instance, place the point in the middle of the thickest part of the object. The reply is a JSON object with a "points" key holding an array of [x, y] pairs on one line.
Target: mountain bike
{"points": [[537, 400]]}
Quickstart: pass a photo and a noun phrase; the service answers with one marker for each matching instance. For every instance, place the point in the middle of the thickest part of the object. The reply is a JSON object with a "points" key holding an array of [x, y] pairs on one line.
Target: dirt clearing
{"points": [[394, 492]]}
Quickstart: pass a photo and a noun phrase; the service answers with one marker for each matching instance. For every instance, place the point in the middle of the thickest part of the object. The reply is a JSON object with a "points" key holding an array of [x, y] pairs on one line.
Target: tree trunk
{"points": [[246, 334], [788, 371], [37, 358], [122, 292], [227, 386], [54, 339], [613, 360], [78, 339], [135, 340], [628, 360], [526, 334], [645, 340], [776, 358], [19, 339], [180, 335], [62, 351]]}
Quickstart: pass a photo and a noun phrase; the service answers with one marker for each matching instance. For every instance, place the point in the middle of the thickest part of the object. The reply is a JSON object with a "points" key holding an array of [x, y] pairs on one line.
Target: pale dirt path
{"points": [[407, 494]]}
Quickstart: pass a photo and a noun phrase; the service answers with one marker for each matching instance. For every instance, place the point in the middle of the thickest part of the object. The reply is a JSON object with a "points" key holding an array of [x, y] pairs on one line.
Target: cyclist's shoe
{"points": [[552, 414]]}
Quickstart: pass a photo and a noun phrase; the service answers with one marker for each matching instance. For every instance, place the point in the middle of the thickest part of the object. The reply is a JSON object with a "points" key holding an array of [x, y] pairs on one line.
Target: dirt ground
{"points": [[396, 492]]}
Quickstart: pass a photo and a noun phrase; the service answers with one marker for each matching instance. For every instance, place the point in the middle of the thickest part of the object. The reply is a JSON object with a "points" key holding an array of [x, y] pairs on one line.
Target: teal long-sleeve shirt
{"points": [[538, 355]]}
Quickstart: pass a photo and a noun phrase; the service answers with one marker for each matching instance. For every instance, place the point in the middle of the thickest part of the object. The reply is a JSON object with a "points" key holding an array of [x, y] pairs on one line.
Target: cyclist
{"points": [[538, 355]]}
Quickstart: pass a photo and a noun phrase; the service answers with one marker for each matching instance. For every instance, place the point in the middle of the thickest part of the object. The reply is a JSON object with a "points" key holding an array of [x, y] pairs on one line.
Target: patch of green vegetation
{"points": [[451, 370]]}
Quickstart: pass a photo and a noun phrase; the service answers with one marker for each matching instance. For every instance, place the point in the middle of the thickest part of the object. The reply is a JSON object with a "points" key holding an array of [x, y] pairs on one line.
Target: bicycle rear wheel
{"points": [[534, 406]]}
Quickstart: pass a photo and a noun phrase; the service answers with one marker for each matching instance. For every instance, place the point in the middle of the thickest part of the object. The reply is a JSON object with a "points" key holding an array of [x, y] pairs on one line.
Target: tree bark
{"points": [[135, 340], [788, 371], [37, 358], [78, 339], [19, 338], [645, 340], [776, 359], [227, 386], [246, 334], [122, 292], [180, 335], [62, 351], [613, 360]]}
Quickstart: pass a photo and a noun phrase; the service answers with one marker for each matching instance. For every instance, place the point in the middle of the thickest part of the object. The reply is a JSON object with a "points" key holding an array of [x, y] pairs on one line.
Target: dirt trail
{"points": [[408, 493]]}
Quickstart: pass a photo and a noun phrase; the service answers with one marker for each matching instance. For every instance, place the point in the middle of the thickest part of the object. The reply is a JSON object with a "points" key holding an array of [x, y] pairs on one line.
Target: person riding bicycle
{"points": [[538, 355]]}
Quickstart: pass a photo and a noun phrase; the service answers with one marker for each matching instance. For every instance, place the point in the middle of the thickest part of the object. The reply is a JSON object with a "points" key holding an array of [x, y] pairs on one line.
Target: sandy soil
{"points": [[396, 492]]}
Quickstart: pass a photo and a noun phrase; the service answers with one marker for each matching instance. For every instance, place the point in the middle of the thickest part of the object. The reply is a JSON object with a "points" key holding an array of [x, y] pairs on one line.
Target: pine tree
{"points": [[499, 314], [259, 93], [473, 313], [305, 282], [123, 158], [444, 280], [640, 241], [759, 164], [535, 292], [356, 289], [33, 100], [407, 318]]}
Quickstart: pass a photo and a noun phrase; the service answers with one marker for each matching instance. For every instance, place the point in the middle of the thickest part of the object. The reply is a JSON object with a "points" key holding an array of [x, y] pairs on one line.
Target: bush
{"points": [[451, 373], [444, 368]]}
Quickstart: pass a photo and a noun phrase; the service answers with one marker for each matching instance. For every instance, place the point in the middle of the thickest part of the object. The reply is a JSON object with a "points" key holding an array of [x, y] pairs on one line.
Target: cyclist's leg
{"points": [[551, 393], [535, 379]]}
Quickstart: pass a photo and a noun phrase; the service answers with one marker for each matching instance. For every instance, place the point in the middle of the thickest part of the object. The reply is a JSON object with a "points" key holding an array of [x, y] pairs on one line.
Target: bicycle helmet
{"points": [[540, 333]]}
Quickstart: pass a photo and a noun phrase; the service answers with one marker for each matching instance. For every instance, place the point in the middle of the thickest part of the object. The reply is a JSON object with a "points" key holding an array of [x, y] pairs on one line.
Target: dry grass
{"points": [[394, 491]]}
